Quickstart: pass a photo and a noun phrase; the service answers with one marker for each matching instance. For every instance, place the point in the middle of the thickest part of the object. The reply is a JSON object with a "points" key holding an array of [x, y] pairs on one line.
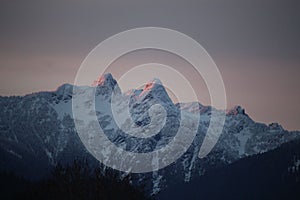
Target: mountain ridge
{"points": [[37, 131]]}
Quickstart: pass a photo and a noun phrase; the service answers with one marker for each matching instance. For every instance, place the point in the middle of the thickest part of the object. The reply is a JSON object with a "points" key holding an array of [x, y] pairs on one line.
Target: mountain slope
{"points": [[271, 175]]}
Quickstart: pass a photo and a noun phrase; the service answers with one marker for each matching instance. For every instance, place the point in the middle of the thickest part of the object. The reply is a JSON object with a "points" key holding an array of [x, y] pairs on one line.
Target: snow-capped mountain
{"points": [[37, 131]]}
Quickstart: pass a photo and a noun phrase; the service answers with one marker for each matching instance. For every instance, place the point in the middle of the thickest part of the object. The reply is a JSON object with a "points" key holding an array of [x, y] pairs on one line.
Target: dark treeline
{"points": [[77, 181]]}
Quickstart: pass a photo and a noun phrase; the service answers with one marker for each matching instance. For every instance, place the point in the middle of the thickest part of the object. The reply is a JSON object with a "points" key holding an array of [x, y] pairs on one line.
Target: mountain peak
{"points": [[106, 84], [155, 82], [236, 110], [275, 126], [65, 89], [155, 89], [105, 80]]}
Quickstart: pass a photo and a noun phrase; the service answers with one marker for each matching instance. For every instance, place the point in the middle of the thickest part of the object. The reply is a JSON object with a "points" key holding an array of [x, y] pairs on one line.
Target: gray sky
{"points": [[254, 43]]}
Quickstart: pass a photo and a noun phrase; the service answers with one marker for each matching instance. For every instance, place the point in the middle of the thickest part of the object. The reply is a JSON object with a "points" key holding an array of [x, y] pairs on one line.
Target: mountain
{"points": [[37, 131]]}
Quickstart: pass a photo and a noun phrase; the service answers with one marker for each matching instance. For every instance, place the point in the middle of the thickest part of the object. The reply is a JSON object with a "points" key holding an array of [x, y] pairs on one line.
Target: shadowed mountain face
{"points": [[271, 175], [37, 131]]}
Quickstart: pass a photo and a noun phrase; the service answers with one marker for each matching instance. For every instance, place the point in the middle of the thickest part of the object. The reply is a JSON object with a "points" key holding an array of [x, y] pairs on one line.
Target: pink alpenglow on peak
{"points": [[155, 89], [105, 83], [105, 80], [151, 85]]}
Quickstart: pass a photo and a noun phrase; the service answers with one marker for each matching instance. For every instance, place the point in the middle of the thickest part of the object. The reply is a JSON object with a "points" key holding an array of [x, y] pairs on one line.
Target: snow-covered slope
{"points": [[37, 131]]}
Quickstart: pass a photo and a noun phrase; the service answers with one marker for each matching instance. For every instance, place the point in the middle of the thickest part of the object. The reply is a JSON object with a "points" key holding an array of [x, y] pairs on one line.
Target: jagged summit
{"points": [[105, 80], [154, 89], [65, 88], [236, 110], [106, 83], [155, 82], [275, 126], [152, 85]]}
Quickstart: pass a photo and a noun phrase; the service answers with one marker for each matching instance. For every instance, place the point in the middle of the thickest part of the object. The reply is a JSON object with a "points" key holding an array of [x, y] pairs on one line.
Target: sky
{"points": [[255, 44]]}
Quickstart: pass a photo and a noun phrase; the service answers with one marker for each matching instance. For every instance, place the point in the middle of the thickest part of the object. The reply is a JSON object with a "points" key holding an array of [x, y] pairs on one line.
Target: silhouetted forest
{"points": [[74, 182]]}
